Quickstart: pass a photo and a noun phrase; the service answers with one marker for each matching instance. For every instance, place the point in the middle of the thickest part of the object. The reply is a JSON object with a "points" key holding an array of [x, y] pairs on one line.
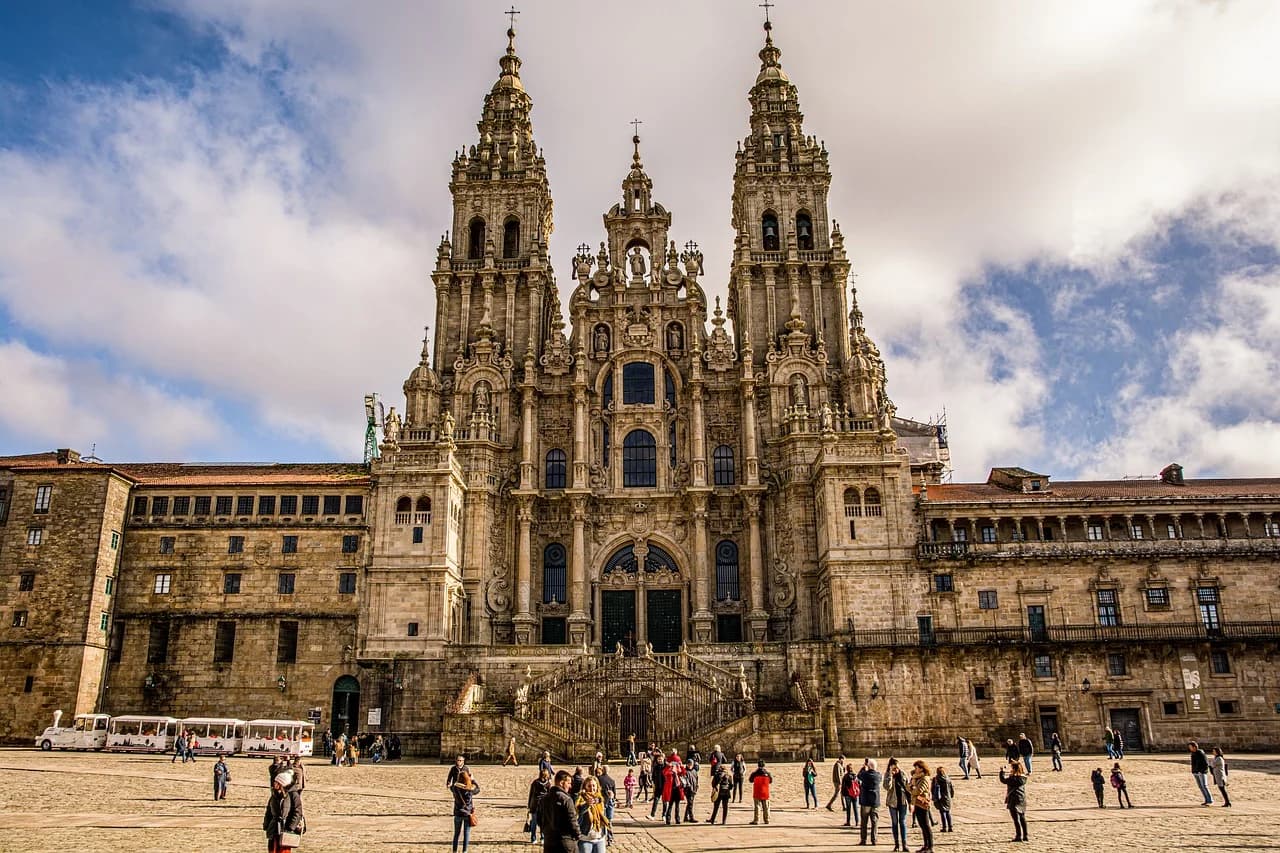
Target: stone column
{"points": [[698, 443], [749, 431], [758, 618], [524, 620], [702, 618], [528, 426], [578, 592], [580, 465]]}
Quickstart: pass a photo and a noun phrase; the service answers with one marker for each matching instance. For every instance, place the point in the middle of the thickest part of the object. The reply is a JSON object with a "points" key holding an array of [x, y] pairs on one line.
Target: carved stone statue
{"points": [[446, 428], [637, 263], [602, 339], [799, 391], [675, 337], [824, 414], [391, 427], [744, 687]]}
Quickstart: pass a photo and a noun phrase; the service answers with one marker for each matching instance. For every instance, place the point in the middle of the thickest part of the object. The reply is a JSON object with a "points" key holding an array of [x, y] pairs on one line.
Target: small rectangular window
{"points": [[289, 545], [1043, 666], [235, 544], [139, 506], [182, 505], [166, 544], [962, 535], [1094, 532], [267, 505], [1172, 709], [943, 583], [44, 496], [1220, 662], [310, 504], [1116, 664], [1271, 529], [104, 621], [224, 643], [164, 582], [110, 587], [284, 585], [288, 504], [988, 534], [1135, 531], [19, 618], [29, 684], [987, 599], [346, 583], [160, 506], [413, 629], [115, 540], [332, 504], [853, 529], [1172, 531], [350, 544], [1227, 707], [981, 692], [35, 535], [158, 642], [417, 536], [203, 505], [355, 504], [222, 505], [287, 643], [1158, 596], [231, 583], [244, 505], [27, 581]]}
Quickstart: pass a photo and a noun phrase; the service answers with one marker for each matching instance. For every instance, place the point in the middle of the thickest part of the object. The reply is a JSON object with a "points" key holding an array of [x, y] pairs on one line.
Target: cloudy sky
{"points": [[218, 217]]}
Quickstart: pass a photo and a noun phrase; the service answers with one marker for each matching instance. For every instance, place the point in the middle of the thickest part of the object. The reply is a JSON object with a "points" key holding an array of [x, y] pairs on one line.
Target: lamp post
{"points": [[1086, 685], [282, 684]]}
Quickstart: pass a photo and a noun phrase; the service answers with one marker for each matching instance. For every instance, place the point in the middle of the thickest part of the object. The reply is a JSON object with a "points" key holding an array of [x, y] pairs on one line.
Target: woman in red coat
{"points": [[673, 789]]}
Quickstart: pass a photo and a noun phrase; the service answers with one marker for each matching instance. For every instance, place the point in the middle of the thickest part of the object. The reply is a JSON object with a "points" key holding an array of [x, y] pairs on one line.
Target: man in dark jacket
{"points": [[558, 818], [459, 765], [869, 779], [1200, 771], [537, 790], [1025, 751]]}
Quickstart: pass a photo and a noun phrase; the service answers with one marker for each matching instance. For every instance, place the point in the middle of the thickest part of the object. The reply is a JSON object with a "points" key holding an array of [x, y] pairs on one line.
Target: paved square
{"points": [[130, 803]]}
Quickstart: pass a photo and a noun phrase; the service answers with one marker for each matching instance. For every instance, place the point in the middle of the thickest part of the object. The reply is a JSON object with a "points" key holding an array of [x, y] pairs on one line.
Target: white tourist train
{"points": [[87, 731], [279, 737], [141, 734], [214, 735]]}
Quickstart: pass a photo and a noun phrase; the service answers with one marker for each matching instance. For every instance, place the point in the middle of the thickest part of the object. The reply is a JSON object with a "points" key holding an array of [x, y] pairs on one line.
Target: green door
{"points": [[666, 628]]}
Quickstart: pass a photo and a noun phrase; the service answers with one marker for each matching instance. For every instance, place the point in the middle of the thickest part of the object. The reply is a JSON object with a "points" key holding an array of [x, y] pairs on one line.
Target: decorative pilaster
{"points": [[524, 619], [579, 622], [758, 618], [702, 619]]}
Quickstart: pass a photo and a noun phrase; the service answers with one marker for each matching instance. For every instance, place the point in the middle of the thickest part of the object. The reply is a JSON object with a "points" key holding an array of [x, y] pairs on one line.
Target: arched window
{"points": [[624, 560], [804, 231], [727, 571], [852, 510], [871, 501], [553, 574], [404, 504], [422, 511], [671, 442], [511, 238], [607, 396], [556, 465], [769, 229], [475, 239], [637, 383], [639, 460], [669, 388], [722, 465], [424, 504]]}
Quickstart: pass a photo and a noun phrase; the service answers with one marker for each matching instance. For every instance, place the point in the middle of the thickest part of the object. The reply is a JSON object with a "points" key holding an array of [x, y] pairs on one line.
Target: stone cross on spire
{"points": [[511, 13], [766, 5]]}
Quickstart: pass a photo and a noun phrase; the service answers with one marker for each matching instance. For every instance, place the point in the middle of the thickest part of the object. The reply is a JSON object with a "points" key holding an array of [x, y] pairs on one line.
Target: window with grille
{"points": [[346, 583], [231, 583], [26, 581], [1158, 596], [1219, 662], [310, 504], [554, 574], [988, 534], [44, 496], [224, 642], [244, 505], [266, 505], [285, 583], [350, 544], [19, 618], [235, 544], [166, 544], [1207, 601], [639, 460], [332, 504], [722, 465], [727, 571], [1116, 664], [35, 535], [1043, 666], [288, 504], [556, 469], [943, 583], [1094, 532], [182, 505], [139, 506], [203, 505], [287, 643], [637, 383], [158, 642], [222, 505], [987, 599], [163, 583], [160, 506], [1108, 608], [289, 545]]}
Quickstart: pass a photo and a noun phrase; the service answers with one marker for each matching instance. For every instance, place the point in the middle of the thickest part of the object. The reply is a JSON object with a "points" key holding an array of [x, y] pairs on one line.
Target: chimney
{"points": [[67, 456]]}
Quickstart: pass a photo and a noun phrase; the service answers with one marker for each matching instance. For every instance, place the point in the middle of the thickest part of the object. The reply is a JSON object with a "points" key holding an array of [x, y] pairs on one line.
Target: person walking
{"points": [[1200, 771], [898, 800], [180, 747], [642, 780], [629, 785], [722, 795], [1122, 787], [1099, 782], [1055, 750], [1015, 799], [869, 781], [510, 757], [593, 823], [963, 746], [809, 776], [920, 788], [464, 808], [1219, 768], [943, 792], [691, 784], [283, 822], [659, 785], [558, 817], [1025, 751], [837, 781], [221, 776], [850, 789], [631, 750], [544, 763], [538, 789], [760, 779], [975, 764], [1117, 743], [739, 773], [672, 788], [1109, 742]]}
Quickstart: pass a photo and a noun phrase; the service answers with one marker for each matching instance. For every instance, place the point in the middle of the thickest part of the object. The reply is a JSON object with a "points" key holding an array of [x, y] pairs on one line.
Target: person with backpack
{"points": [[850, 790], [1099, 783], [1122, 788], [943, 792]]}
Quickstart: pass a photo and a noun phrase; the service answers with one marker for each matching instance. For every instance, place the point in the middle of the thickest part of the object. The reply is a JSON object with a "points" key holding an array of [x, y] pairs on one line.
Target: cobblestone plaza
{"points": [[96, 802]]}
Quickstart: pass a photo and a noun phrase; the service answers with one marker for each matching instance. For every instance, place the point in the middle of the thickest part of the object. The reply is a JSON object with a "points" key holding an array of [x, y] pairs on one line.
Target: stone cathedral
{"points": [[647, 525]]}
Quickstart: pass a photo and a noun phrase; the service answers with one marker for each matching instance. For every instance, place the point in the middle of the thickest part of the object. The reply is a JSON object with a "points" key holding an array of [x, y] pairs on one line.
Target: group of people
{"points": [[184, 747], [345, 751]]}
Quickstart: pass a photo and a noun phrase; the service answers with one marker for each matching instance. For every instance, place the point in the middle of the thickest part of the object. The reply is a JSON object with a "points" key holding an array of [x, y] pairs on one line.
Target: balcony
{"points": [[1103, 547], [881, 638]]}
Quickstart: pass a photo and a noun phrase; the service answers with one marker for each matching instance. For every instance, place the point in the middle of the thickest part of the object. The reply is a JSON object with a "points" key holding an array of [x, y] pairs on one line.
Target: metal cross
{"points": [[635, 123], [766, 5], [512, 15]]}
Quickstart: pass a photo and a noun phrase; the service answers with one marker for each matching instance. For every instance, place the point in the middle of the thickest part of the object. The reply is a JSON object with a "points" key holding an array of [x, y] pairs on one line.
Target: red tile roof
{"points": [[1080, 490], [181, 475]]}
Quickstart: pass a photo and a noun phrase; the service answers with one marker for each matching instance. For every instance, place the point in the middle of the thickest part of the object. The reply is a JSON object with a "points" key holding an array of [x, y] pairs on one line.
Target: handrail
{"points": [[999, 635]]}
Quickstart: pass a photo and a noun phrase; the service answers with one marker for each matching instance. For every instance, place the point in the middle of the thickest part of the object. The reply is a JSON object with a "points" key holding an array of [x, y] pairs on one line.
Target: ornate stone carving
{"points": [[497, 591], [784, 584], [720, 354]]}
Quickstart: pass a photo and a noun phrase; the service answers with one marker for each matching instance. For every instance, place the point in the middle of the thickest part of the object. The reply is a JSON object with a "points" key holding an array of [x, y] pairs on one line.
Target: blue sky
{"points": [[220, 216]]}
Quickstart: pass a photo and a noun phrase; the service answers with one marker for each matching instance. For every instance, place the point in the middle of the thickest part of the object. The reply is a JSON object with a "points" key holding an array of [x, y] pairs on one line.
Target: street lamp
{"points": [[281, 683], [1085, 685], [875, 688]]}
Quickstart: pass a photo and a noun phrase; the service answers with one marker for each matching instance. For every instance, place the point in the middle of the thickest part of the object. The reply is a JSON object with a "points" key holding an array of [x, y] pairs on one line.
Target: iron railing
{"points": [[1015, 635]]}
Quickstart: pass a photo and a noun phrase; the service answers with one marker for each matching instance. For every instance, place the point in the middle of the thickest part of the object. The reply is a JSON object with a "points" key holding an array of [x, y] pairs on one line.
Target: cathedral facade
{"points": [[707, 534]]}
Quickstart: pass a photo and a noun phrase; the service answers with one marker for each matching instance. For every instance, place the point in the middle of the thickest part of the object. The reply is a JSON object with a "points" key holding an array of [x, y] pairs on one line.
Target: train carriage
{"points": [[141, 734], [279, 737], [214, 735], [87, 731]]}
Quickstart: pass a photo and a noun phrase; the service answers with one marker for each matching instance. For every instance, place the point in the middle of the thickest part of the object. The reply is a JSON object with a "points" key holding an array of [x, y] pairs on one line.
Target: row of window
{"points": [[27, 583], [1094, 531], [204, 505], [224, 642], [22, 617], [1108, 603], [288, 544], [35, 536], [286, 583], [476, 238]]}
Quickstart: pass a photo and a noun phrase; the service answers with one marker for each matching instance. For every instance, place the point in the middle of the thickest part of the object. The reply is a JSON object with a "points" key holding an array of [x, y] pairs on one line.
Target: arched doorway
{"points": [[346, 706], [641, 600]]}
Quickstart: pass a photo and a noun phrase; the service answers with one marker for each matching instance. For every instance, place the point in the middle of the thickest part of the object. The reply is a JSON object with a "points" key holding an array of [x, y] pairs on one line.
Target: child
{"points": [[221, 776], [1099, 781], [629, 784], [1122, 788]]}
